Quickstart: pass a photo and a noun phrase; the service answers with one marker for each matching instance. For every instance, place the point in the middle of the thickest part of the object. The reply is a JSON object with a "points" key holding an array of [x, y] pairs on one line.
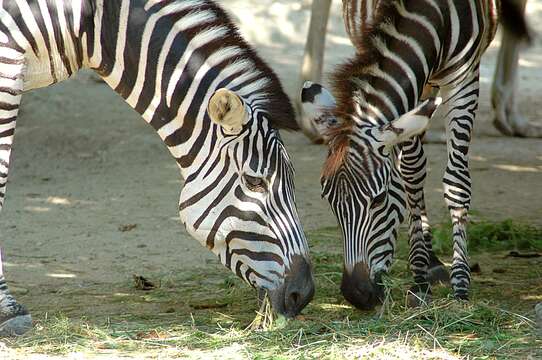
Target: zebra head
{"points": [[362, 182], [239, 202]]}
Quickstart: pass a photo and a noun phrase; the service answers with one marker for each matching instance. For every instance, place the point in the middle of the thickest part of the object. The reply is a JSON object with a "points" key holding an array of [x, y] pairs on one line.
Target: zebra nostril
{"points": [[294, 298], [299, 286]]}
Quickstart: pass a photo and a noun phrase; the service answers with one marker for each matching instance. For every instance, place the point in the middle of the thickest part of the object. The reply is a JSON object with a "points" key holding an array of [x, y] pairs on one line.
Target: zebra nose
{"points": [[299, 286], [296, 291], [359, 290]]}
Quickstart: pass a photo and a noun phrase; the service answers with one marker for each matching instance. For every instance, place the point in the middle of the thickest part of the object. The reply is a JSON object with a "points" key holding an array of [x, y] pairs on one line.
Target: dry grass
{"points": [[207, 315]]}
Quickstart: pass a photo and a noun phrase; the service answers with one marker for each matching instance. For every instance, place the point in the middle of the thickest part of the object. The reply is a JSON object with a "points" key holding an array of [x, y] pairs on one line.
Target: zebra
{"points": [[376, 165], [217, 106]]}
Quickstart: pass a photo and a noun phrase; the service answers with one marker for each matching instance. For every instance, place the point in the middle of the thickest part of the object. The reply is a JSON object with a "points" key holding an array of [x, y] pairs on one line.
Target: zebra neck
{"points": [[167, 58], [395, 59]]}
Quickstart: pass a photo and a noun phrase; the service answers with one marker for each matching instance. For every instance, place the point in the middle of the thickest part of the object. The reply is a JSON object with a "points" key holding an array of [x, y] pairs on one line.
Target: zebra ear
{"points": [[317, 103], [408, 125], [227, 110]]}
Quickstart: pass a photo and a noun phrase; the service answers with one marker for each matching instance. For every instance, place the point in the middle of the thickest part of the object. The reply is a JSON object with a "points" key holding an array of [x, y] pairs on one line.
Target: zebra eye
{"points": [[254, 183], [379, 199]]}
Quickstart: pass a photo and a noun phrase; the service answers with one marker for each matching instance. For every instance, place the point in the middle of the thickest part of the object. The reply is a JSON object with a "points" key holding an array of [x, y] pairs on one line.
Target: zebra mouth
{"points": [[296, 291], [359, 290]]}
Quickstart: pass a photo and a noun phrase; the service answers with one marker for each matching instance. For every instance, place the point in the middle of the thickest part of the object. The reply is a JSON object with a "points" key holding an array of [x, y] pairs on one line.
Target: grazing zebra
{"points": [[217, 106], [373, 128]]}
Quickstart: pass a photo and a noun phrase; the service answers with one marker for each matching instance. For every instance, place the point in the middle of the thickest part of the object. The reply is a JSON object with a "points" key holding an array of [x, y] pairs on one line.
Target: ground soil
{"points": [[93, 192]]}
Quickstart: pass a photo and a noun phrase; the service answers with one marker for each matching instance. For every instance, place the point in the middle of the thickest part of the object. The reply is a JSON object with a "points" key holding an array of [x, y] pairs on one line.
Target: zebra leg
{"points": [[437, 272], [507, 117], [461, 103], [14, 318], [413, 171]]}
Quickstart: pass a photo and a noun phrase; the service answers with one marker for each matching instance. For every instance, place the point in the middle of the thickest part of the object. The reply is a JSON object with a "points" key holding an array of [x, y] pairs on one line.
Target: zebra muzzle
{"points": [[360, 290], [296, 291]]}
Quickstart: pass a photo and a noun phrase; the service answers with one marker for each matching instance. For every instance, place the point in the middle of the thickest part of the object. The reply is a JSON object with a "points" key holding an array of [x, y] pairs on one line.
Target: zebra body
{"points": [[376, 168], [358, 16], [217, 106]]}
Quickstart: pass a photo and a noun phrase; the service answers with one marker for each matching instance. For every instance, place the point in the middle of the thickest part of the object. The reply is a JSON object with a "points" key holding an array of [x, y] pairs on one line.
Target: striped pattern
{"points": [[412, 43], [358, 17], [167, 58]]}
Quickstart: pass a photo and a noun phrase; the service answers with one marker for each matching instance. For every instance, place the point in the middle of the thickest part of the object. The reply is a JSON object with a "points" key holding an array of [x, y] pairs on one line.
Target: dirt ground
{"points": [[86, 167]]}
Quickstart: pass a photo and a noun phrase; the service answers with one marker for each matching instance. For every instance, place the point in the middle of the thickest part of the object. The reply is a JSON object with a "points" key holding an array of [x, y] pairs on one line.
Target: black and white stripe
{"points": [[410, 45], [358, 16], [167, 58]]}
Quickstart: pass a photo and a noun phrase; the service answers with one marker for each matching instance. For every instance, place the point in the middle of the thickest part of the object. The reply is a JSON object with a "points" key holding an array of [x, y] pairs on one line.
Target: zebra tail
{"points": [[512, 17]]}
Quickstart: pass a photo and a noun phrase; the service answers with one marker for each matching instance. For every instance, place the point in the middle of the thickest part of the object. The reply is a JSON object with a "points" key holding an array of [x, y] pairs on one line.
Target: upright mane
{"points": [[345, 88]]}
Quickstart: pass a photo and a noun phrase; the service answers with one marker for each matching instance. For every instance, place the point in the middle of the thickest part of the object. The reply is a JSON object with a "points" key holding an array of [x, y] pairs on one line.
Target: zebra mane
{"points": [[278, 105], [345, 87]]}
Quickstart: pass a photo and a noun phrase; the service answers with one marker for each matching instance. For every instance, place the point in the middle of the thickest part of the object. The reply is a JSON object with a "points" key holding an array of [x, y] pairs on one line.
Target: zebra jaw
{"points": [[228, 110]]}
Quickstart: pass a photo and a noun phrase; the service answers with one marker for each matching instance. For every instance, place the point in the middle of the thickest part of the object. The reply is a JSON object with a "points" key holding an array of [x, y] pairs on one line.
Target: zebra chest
{"points": [[43, 72]]}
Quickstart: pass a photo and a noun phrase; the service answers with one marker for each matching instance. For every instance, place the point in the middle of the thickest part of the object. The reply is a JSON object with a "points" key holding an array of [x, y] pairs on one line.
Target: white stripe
{"points": [[177, 151], [69, 49], [13, 29], [6, 114], [96, 59], [253, 87], [369, 89], [475, 32], [211, 62], [10, 54], [422, 21], [188, 3], [51, 35], [166, 47], [377, 72], [8, 126], [412, 43], [454, 30], [186, 22], [199, 40], [381, 46], [76, 12], [118, 68], [32, 26]]}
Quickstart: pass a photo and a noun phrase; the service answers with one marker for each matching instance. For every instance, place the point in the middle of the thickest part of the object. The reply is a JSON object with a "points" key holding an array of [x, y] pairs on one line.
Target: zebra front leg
{"points": [[461, 103], [413, 172], [14, 318]]}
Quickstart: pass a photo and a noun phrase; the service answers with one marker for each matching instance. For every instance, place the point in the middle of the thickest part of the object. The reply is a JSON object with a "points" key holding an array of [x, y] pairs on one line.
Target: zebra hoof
{"points": [[16, 326], [419, 295], [461, 296]]}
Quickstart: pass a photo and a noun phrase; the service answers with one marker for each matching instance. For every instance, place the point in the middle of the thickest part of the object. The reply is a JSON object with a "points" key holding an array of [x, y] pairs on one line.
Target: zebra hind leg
{"points": [[413, 171], [461, 103], [14, 318]]}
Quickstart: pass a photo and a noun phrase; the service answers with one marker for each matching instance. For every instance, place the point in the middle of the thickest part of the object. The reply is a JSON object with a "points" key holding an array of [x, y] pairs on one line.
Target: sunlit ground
{"points": [[206, 315]]}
